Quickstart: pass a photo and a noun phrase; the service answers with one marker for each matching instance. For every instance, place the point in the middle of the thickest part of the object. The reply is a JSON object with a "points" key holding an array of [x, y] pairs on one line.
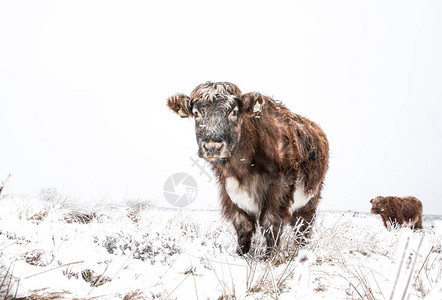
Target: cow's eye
{"points": [[234, 112], [196, 113]]}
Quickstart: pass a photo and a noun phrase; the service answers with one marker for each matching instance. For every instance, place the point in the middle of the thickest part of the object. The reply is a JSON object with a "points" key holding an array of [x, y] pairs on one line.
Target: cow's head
{"points": [[377, 205], [219, 109]]}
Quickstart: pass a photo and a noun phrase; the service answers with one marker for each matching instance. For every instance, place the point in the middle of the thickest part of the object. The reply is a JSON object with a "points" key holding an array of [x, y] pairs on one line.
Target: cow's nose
{"points": [[213, 148]]}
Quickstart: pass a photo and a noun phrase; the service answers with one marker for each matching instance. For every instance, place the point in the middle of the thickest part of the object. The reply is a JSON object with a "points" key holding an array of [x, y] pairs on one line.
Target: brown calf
{"points": [[270, 163], [398, 210]]}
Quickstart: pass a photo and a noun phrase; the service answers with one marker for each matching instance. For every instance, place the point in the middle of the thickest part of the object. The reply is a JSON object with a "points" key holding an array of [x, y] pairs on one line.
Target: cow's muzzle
{"points": [[375, 211], [214, 150]]}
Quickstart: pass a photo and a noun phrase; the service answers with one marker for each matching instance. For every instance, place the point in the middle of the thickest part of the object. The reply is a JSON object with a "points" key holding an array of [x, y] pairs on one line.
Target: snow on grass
{"points": [[51, 248]]}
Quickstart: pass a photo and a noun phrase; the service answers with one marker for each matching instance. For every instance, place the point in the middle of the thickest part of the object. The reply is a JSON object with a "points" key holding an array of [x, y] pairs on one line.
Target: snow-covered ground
{"points": [[134, 251]]}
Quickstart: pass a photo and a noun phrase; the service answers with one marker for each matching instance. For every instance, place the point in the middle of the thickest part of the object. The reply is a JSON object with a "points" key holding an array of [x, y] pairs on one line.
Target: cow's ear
{"points": [[252, 103], [371, 201], [180, 104]]}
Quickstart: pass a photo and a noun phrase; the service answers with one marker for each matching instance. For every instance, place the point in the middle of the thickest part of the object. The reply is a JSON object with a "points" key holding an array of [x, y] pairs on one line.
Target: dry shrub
{"points": [[134, 210], [79, 217], [93, 279], [140, 295], [227, 297], [42, 295], [39, 257]]}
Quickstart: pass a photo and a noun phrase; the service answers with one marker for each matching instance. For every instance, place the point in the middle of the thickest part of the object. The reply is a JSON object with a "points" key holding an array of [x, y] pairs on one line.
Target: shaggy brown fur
{"points": [[270, 163], [396, 210]]}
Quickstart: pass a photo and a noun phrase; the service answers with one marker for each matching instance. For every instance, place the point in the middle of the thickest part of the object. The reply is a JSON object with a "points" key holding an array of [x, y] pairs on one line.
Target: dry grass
{"points": [[336, 246], [414, 277], [268, 274], [336, 261]]}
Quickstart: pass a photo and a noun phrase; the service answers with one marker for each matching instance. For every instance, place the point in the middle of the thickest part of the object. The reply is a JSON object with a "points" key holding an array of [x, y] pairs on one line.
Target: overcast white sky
{"points": [[83, 86]]}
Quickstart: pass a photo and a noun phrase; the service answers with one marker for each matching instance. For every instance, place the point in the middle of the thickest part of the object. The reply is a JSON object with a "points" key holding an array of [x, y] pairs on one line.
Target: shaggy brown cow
{"points": [[270, 163], [396, 210]]}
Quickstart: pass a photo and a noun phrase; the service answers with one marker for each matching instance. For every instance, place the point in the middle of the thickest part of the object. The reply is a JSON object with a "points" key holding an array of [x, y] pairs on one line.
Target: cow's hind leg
{"points": [[418, 224], [273, 217]]}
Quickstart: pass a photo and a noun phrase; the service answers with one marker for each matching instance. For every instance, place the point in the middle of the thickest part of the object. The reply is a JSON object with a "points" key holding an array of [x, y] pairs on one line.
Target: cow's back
{"points": [[411, 207]]}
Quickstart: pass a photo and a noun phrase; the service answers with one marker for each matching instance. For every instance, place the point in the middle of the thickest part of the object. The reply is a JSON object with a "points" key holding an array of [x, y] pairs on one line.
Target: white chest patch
{"points": [[240, 196], [300, 197]]}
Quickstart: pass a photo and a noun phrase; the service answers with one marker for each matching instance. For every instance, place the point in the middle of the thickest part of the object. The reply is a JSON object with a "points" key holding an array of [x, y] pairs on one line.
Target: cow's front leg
{"points": [[386, 221], [272, 225], [243, 223], [245, 228]]}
